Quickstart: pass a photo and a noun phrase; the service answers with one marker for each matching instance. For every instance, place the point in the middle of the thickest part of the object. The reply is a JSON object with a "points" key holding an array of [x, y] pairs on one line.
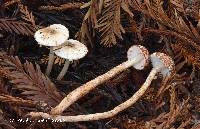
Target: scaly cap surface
{"points": [[138, 52], [73, 50], [54, 35]]}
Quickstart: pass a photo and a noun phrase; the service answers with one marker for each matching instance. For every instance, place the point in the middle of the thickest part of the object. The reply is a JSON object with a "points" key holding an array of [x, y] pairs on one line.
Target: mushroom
{"points": [[161, 63], [137, 57], [54, 35], [70, 50]]}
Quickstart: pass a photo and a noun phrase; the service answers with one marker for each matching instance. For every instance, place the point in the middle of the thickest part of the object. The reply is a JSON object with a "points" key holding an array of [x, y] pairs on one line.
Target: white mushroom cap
{"points": [[72, 50], [139, 53], [164, 62], [54, 35]]}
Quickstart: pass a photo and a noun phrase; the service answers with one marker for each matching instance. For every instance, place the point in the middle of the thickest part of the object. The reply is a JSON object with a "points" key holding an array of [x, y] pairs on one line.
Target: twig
{"points": [[63, 7], [16, 101]]}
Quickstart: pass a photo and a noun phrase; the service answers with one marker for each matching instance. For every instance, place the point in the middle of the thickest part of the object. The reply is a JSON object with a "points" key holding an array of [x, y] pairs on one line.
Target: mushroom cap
{"points": [[163, 61], [71, 50], [140, 53], [54, 35]]}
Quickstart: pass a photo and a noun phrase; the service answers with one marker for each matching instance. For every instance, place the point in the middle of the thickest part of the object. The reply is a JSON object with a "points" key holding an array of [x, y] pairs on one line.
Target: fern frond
{"points": [[191, 55], [16, 101], [63, 7], [103, 16], [183, 38], [26, 14], [109, 23], [173, 20], [186, 46], [13, 26], [87, 30], [31, 81]]}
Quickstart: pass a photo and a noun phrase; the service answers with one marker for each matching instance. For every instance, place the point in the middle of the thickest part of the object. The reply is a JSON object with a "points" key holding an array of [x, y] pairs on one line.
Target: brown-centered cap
{"points": [[54, 35], [71, 50], [164, 62], [140, 53]]}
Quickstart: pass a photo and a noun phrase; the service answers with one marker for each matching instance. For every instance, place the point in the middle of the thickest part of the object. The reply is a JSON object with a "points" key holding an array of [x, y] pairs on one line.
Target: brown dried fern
{"points": [[31, 81], [177, 110], [191, 55], [13, 26], [87, 30], [104, 16], [26, 14], [173, 23], [16, 101], [185, 46], [63, 7], [109, 23]]}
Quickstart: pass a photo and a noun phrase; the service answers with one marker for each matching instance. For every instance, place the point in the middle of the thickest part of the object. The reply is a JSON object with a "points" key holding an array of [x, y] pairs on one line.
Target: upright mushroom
{"points": [[70, 50], [54, 35], [137, 57], [161, 63]]}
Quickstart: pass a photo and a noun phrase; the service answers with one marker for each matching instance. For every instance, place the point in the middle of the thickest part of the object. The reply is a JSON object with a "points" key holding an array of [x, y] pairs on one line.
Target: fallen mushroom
{"points": [[161, 63], [70, 50], [54, 35], [137, 57]]}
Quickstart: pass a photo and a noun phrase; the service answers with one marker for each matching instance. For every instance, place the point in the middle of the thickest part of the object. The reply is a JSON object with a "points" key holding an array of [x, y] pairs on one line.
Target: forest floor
{"points": [[169, 103]]}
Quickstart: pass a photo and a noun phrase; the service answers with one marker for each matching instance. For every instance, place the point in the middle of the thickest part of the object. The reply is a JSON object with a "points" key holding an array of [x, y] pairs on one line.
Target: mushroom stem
{"points": [[50, 62], [64, 70], [87, 87], [104, 115]]}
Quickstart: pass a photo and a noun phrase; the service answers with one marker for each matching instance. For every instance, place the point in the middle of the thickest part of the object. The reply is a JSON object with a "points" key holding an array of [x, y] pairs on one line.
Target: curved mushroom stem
{"points": [[87, 87], [104, 115], [50, 62], [64, 70]]}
